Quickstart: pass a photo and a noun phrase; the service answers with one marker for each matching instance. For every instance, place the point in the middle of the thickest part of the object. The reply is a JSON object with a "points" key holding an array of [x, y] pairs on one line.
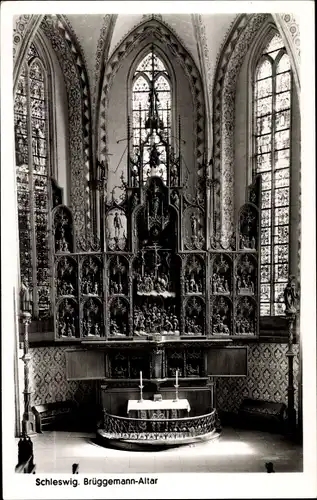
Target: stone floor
{"points": [[234, 451]]}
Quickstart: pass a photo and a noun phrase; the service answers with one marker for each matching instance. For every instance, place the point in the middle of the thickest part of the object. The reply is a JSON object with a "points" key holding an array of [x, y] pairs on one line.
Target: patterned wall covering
{"points": [[267, 378], [48, 378]]}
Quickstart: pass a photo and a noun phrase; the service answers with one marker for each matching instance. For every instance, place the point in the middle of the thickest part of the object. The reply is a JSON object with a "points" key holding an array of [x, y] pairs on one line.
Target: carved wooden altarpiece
{"points": [[157, 277]]}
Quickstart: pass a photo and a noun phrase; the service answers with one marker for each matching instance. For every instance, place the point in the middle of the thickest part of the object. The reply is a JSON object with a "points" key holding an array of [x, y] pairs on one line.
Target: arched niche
{"points": [[116, 230], [118, 275], [248, 227], [156, 274], [193, 227], [246, 275], [119, 365], [66, 276], [194, 275], [246, 316], [222, 274], [66, 323], [195, 314], [91, 276], [222, 316], [119, 310], [92, 317], [63, 230], [188, 93], [156, 222], [155, 316]]}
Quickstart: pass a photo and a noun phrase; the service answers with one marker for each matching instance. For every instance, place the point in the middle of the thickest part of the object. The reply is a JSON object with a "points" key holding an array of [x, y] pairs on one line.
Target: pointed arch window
{"points": [[151, 114], [32, 175], [272, 101]]}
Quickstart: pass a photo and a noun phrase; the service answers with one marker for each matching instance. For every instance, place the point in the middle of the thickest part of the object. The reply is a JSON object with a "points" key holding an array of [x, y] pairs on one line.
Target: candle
{"points": [[140, 378], [176, 377]]}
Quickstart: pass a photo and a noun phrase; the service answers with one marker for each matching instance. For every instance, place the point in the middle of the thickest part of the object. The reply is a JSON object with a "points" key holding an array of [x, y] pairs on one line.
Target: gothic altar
{"points": [[157, 288], [154, 274]]}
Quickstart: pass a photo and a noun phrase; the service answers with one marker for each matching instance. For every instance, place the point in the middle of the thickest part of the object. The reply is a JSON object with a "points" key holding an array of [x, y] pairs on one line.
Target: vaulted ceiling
{"points": [[97, 36], [90, 32], [87, 29]]}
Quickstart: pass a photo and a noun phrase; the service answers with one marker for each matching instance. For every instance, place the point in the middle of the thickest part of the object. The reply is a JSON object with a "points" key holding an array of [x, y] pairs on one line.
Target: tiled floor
{"points": [[234, 451]]}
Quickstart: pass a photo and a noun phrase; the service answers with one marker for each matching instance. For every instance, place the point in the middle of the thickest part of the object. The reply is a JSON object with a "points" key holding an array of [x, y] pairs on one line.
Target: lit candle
{"points": [[140, 378], [176, 377]]}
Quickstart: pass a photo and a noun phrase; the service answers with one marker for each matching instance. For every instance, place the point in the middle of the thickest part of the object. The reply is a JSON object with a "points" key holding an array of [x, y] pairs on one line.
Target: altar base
{"points": [[145, 434]]}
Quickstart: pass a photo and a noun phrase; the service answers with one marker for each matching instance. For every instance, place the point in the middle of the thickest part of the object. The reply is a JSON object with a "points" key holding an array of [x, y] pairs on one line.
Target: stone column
{"points": [[28, 421]]}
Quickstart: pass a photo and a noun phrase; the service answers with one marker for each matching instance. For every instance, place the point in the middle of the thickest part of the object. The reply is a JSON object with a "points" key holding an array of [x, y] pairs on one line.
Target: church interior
{"points": [[158, 197]]}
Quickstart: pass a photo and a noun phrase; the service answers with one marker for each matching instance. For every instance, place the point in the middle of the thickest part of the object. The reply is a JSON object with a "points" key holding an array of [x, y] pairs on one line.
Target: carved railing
{"points": [[151, 429]]}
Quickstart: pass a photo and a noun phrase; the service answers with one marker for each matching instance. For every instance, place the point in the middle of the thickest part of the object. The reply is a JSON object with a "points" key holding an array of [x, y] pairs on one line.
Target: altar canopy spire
{"points": [[151, 116]]}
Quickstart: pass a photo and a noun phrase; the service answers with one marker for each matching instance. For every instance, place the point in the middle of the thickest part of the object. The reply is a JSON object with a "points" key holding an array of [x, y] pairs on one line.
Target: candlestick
{"points": [[141, 393], [176, 387], [141, 388], [176, 392]]}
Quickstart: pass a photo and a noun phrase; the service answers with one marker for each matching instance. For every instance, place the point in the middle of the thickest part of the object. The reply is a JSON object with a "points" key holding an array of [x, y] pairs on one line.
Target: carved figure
{"points": [[220, 284], [244, 325], [247, 243], [245, 284], [215, 282], [151, 318], [117, 225], [192, 370], [115, 329], [62, 244], [291, 296], [193, 286], [103, 171], [156, 205], [220, 325], [175, 199], [67, 321], [135, 175], [154, 157], [194, 225], [25, 298], [174, 175], [192, 326]]}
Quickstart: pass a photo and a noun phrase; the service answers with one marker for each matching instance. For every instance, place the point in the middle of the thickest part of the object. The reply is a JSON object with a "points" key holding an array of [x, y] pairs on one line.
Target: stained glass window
{"points": [[32, 172], [151, 78], [272, 120]]}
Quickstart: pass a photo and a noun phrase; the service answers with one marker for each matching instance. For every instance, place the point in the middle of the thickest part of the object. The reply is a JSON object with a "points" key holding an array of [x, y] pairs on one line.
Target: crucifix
{"points": [[157, 259]]}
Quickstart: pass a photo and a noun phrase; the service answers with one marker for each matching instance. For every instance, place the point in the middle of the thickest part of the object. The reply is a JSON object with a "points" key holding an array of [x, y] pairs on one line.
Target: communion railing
{"points": [[170, 428]]}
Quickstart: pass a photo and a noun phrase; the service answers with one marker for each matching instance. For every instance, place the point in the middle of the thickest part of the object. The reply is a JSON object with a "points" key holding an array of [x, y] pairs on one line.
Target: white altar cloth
{"points": [[165, 404]]}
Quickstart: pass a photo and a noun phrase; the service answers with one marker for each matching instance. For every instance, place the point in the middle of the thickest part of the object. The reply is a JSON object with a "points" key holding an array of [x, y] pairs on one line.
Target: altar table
{"points": [[166, 408]]}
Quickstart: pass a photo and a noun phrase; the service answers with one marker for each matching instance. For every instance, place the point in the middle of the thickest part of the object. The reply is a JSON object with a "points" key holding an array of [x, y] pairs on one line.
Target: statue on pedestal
{"points": [[117, 225], [291, 296], [25, 298]]}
